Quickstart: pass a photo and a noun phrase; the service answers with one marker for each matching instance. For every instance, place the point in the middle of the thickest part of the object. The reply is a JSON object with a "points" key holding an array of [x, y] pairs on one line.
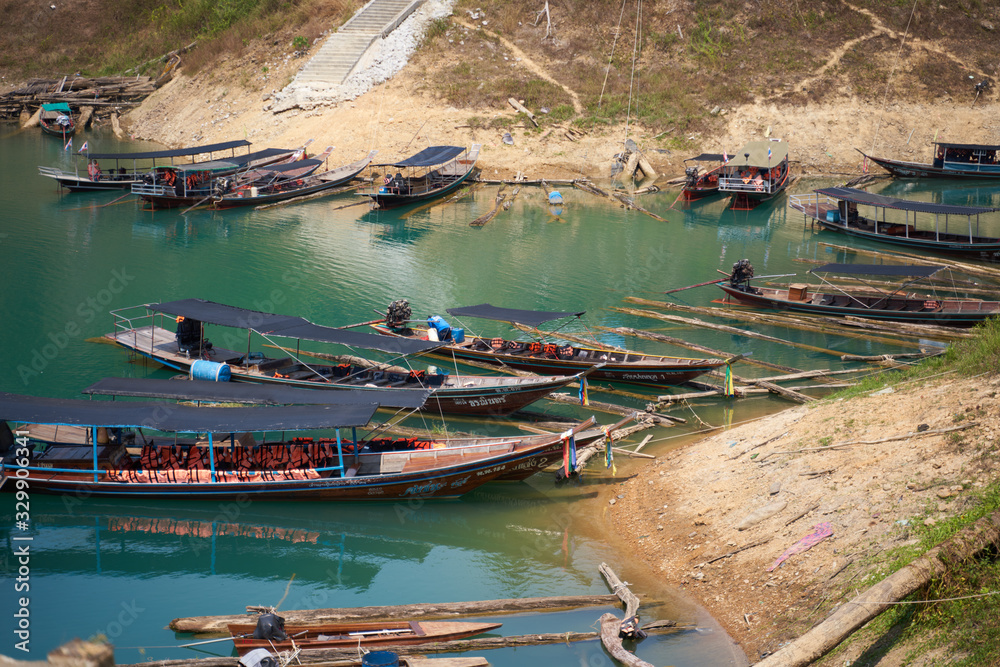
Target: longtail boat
{"points": [[699, 182], [189, 185], [950, 161], [130, 449], [143, 330], [542, 357], [836, 209], [283, 189], [119, 171], [756, 173], [431, 173], [56, 119], [874, 302], [373, 633]]}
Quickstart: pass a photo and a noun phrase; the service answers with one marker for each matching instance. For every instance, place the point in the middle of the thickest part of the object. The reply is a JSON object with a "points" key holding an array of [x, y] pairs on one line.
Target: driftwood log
{"points": [[611, 624], [872, 602], [217, 624]]}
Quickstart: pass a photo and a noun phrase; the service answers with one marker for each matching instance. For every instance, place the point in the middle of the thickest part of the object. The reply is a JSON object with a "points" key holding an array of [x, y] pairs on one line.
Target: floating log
{"points": [[610, 408], [855, 613], [486, 217], [668, 399], [218, 624], [538, 181], [628, 331], [819, 323], [630, 203], [890, 357], [727, 329], [611, 624]]}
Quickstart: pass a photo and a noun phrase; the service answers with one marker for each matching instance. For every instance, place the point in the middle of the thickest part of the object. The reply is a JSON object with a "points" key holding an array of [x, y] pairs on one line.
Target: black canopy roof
{"points": [[707, 157], [290, 166], [288, 326], [856, 196], [531, 318], [258, 155], [981, 147], [196, 390], [180, 418], [879, 270], [177, 152], [428, 157]]}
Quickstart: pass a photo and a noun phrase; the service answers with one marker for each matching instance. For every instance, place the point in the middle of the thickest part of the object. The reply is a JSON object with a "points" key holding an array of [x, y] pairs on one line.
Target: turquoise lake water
{"points": [[124, 569]]}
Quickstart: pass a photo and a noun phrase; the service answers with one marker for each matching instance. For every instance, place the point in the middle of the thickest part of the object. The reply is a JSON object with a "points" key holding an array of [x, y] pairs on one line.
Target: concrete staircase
{"points": [[343, 50]]}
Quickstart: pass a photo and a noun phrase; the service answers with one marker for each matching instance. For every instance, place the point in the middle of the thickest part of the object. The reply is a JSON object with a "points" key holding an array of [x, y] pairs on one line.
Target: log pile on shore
{"points": [[104, 94]]}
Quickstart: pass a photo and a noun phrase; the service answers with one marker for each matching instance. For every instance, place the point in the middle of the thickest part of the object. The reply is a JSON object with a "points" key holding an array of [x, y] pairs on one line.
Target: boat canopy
{"points": [[254, 393], [856, 196], [971, 147], [289, 166], [909, 271], [57, 106], [754, 154], [531, 318], [288, 326], [428, 157], [258, 155], [175, 418], [708, 157], [178, 152]]}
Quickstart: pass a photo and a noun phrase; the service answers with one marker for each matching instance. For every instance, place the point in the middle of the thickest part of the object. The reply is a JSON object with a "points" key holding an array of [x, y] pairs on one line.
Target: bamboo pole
{"points": [[851, 615], [727, 329]]}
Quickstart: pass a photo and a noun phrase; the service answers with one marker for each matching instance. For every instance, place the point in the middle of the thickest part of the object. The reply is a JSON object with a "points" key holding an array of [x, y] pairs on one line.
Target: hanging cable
{"points": [[618, 30], [906, 32], [635, 50]]}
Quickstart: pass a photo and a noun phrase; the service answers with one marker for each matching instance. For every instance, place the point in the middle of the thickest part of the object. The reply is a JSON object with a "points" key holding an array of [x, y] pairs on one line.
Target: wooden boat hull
{"points": [[364, 634], [435, 473], [922, 170], [649, 370], [863, 227], [77, 183], [311, 185], [469, 395], [55, 130], [388, 200], [915, 311]]}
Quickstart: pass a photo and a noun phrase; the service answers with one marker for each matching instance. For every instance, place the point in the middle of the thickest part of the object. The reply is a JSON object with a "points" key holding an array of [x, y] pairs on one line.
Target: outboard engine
{"points": [[220, 187], [398, 314], [692, 175], [742, 273], [270, 626]]}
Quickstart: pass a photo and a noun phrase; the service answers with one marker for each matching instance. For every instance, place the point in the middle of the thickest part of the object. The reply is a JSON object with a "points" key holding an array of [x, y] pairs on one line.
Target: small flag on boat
{"points": [[609, 456], [69, 145], [584, 398], [84, 147], [768, 153], [864, 165], [725, 157], [730, 389], [569, 453]]}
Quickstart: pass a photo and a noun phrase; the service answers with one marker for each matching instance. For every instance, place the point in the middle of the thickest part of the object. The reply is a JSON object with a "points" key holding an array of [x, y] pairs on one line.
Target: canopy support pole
{"points": [[211, 457], [340, 452], [357, 445], [94, 449]]}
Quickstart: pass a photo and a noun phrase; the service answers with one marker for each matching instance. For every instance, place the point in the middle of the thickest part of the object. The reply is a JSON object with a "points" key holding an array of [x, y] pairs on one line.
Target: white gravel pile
{"points": [[386, 57]]}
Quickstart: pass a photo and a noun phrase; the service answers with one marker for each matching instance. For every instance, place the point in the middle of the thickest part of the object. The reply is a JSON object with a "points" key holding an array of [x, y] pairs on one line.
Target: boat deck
{"points": [[813, 209]]}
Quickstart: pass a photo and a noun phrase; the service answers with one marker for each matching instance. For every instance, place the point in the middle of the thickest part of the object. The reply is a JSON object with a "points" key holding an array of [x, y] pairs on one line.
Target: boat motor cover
{"points": [[259, 657], [270, 626]]}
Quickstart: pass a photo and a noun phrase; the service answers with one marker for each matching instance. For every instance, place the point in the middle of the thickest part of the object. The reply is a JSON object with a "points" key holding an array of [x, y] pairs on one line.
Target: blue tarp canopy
{"points": [[178, 152], [288, 326], [241, 392], [175, 418], [428, 157], [856, 196], [531, 318], [879, 270]]}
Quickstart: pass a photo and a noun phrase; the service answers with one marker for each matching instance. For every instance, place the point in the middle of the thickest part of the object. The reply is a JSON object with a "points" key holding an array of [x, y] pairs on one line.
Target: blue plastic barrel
{"points": [[458, 335], [380, 659], [213, 371], [555, 197]]}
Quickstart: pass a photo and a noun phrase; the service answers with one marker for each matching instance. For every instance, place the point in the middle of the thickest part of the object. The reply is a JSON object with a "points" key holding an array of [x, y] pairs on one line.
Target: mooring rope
{"points": [[895, 63], [614, 43]]}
